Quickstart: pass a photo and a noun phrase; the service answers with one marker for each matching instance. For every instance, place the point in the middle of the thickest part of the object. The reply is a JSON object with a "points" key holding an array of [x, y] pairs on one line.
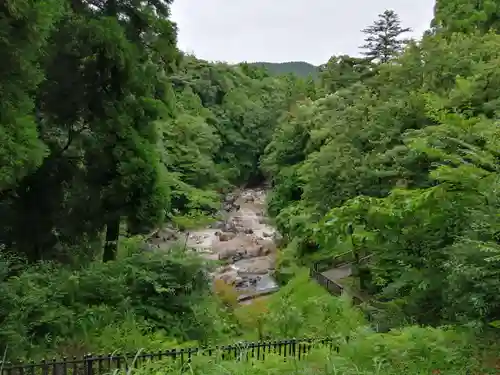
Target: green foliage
{"points": [[241, 112], [342, 71], [304, 309], [24, 32], [399, 161], [108, 132], [300, 309], [413, 350], [465, 16], [48, 307], [127, 129], [383, 37]]}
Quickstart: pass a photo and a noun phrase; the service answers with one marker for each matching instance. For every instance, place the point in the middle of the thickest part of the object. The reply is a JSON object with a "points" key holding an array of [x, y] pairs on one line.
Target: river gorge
{"points": [[243, 241]]}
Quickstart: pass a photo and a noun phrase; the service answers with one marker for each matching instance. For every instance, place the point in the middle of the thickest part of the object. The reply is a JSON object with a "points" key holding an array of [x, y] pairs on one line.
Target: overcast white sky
{"points": [[285, 30]]}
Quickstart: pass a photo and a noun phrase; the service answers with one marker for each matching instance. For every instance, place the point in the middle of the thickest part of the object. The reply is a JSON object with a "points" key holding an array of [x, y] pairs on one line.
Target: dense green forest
{"points": [[299, 68], [109, 132]]}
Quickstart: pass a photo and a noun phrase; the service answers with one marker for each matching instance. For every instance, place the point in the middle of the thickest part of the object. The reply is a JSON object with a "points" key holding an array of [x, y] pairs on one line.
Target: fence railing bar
{"points": [[102, 364]]}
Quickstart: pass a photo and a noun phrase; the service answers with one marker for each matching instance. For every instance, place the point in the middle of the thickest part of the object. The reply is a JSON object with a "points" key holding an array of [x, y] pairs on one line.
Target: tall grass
{"points": [[320, 361]]}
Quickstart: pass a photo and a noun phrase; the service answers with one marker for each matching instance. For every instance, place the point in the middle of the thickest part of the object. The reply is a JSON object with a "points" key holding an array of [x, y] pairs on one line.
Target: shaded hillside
{"points": [[300, 68]]}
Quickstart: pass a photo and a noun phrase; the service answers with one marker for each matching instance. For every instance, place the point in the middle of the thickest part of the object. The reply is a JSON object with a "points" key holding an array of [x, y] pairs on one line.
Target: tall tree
{"points": [[342, 71], [24, 29], [383, 38], [466, 16], [105, 69], [122, 159]]}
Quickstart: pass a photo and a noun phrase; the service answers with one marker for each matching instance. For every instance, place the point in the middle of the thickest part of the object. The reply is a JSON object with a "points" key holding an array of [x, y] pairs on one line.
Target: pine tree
{"points": [[383, 37]]}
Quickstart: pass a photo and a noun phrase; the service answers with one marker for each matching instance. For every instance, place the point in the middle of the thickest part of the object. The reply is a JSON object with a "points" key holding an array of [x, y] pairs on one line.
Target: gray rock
{"points": [[277, 238], [218, 225], [226, 236], [229, 253], [230, 277], [230, 227], [147, 247]]}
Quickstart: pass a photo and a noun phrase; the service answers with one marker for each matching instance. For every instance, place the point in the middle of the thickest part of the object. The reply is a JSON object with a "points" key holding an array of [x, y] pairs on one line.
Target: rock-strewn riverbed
{"points": [[243, 241]]}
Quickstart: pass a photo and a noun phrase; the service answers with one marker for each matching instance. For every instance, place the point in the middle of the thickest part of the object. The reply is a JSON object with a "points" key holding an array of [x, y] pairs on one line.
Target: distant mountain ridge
{"points": [[300, 68]]}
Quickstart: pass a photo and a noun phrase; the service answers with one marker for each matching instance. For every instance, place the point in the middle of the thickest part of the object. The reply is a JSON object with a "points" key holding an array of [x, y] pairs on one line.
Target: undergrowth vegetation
{"points": [[48, 308], [412, 351]]}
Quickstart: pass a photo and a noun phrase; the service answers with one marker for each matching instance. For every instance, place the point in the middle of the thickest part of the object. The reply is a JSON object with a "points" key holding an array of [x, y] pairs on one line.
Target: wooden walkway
{"points": [[338, 273]]}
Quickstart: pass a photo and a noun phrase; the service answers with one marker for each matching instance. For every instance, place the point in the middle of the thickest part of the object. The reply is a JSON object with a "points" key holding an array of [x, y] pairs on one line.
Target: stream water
{"points": [[244, 242]]}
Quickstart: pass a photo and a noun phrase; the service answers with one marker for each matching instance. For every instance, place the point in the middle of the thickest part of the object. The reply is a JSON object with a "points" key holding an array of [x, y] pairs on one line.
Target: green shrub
{"points": [[302, 309], [412, 351], [45, 307]]}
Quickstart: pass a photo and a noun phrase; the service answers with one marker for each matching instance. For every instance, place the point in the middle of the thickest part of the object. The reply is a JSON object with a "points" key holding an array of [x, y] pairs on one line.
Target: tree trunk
{"points": [[111, 245]]}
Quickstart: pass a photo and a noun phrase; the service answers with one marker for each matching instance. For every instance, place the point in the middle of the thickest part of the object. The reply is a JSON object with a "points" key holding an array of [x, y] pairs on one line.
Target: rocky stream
{"points": [[243, 241]]}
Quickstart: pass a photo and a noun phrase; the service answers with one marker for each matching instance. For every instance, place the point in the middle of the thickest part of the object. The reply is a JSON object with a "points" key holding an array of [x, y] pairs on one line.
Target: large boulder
{"points": [[230, 277], [231, 254], [168, 234], [249, 199], [229, 203], [230, 226], [230, 198], [218, 225], [268, 245], [233, 248], [255, 250], [258, 265], [226, 236], [164, 235]]}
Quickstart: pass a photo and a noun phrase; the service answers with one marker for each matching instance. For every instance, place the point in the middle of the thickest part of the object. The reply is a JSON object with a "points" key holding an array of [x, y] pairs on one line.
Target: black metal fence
{"points": [[178, 358], [330, 285], [334, 262]]}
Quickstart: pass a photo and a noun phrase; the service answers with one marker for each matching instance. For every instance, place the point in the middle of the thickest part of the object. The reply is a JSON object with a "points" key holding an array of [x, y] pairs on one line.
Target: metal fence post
{"points": [[89, 364]]}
